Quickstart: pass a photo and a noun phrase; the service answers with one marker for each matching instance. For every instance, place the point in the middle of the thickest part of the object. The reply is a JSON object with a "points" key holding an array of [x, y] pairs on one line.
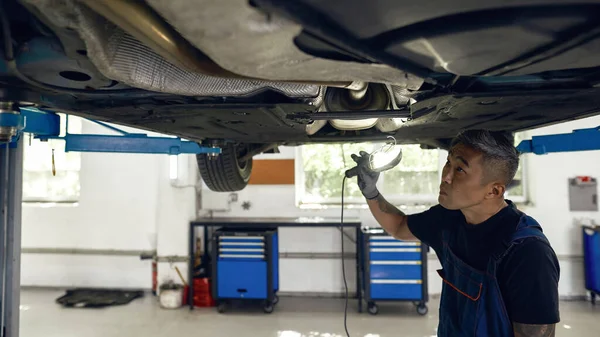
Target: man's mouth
{"points": [[442, 192]]}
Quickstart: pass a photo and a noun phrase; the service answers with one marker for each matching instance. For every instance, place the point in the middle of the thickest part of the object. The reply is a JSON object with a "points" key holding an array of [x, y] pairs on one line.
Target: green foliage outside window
{"points": [[417, 175], [324, 166]]}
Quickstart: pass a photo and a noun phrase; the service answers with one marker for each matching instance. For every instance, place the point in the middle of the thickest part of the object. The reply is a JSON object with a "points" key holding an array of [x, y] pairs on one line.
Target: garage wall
{"points": [[106, 218], [318, 275], [547, 184], [127, 202]]}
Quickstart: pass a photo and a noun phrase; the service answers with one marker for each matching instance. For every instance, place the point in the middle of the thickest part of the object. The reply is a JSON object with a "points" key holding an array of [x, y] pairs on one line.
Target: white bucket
{"points": [[171, 298]]}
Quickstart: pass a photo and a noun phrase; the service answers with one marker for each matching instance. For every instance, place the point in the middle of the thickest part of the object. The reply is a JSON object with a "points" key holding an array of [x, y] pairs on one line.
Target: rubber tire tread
{"points": [[222, 174]]}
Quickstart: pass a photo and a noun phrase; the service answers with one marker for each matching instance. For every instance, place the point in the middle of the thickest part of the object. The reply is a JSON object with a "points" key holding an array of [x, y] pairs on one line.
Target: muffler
{"points": [[372, 97]]}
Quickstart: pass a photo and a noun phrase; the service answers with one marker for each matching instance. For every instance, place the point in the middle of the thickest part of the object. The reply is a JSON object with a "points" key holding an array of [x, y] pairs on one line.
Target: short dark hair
{"points": [[500, 157]]}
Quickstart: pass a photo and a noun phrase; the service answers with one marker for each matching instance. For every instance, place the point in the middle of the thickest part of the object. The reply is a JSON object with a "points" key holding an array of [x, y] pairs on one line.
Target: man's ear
{"points": [[496, 190]]}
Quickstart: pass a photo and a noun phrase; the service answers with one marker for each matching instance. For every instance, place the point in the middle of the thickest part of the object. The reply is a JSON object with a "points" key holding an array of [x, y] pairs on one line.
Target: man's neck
{"points": [[481, 212]]}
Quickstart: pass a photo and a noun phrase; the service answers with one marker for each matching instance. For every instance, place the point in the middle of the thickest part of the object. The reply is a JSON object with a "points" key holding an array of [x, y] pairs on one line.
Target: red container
{"points": [[202, 295], [202, 285], [154, 277]]}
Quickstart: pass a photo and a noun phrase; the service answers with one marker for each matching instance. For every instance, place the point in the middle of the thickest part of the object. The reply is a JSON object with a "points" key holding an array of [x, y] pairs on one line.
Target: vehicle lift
{"points": [[44, 125], [578, 140]]}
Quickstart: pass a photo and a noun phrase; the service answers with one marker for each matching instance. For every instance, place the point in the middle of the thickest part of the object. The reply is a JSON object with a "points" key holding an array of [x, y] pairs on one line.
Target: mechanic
{"points": [[500, 274]]}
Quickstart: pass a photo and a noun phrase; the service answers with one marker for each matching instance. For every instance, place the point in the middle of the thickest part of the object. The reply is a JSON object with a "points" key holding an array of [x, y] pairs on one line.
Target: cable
{"points": [[343, 262]]}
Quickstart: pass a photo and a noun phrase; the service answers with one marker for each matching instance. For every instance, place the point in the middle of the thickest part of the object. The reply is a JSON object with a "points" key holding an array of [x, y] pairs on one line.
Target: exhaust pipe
{"points": [[141, 22]]}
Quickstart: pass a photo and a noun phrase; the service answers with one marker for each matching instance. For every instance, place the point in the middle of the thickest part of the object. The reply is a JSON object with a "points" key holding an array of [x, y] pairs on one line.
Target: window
{"points": [[320, 169], [516, 190], [39, 183]]}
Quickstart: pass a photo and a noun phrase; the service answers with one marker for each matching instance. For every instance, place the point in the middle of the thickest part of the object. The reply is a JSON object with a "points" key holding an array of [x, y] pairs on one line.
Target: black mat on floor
{"points": [[97, 298]]}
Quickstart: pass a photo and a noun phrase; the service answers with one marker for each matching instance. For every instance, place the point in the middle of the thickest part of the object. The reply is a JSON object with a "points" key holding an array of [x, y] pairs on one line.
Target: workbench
{"points": [[309, 222]]}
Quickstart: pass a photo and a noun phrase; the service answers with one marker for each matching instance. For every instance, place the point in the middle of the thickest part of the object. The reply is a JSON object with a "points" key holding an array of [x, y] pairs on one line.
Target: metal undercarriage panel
{"points": [[440, 117], [102, 71], [251, 43], [121, 57]]}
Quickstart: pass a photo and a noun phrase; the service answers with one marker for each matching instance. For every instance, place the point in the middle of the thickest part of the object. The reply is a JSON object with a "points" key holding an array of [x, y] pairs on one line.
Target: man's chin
{"points": [[444, 202]]}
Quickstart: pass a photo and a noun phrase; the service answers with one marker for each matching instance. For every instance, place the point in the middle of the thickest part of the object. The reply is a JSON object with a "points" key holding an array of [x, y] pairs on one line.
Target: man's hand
{"points": [[391, 219], [367, 178], [533, 330]]}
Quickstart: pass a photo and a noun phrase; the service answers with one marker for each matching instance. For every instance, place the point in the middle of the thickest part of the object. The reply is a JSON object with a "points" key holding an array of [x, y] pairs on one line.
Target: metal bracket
{"points": [[309, 117], [16, 121], [578, 140], [46, 125]]}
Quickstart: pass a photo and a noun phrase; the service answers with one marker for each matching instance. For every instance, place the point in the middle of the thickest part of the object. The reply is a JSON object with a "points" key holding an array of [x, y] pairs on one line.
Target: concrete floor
{"points": [[293, 317]]}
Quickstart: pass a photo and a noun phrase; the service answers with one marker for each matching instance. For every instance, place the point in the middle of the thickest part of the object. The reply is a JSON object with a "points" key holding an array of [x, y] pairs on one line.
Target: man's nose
{"points": [[447, 177]]}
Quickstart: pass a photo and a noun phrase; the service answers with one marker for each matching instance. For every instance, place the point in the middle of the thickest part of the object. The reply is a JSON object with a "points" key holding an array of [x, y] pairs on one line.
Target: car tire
{"points": [[225, 173]]}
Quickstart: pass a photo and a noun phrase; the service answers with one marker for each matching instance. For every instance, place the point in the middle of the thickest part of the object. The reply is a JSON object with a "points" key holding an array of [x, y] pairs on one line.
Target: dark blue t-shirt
{"points": [[527, 276]]}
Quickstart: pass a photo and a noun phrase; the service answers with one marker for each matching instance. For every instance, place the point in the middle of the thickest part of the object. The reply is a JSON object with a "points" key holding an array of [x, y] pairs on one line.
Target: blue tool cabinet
{"points": [[591, 259], [245, 266], [393, 270]]}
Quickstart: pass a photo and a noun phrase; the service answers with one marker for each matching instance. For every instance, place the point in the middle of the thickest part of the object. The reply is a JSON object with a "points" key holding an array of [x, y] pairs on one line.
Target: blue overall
{"points": [[471, 302]]}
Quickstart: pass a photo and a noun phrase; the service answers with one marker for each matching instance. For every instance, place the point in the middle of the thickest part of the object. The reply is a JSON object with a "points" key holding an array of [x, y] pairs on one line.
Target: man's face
{"points": [[462, 179]]}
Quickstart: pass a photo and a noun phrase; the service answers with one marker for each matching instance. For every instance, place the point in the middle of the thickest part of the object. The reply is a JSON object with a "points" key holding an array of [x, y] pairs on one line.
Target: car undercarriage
{"points": [[251, 75]]}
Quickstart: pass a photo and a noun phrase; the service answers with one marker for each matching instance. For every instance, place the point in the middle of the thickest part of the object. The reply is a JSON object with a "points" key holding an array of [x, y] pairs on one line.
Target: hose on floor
{"points": [[343, 262]]}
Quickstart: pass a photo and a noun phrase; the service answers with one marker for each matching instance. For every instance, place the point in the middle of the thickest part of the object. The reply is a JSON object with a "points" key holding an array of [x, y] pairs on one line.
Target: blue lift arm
{"points": [[46, 125], [33, 121], [578, 140], [132, 143]]}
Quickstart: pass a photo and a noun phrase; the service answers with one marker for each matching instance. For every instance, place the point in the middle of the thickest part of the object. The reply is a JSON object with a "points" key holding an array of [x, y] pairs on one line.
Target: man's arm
{"points": [[393, 220], [533, 330]]}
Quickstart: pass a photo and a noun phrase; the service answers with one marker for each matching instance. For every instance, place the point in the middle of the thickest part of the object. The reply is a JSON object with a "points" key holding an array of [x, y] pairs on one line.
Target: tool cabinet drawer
{"points": [[395, 253], [395, 291], [242, 241], [242, 279], [241, 255], [402, 270], [241, 248], [391, 241]]}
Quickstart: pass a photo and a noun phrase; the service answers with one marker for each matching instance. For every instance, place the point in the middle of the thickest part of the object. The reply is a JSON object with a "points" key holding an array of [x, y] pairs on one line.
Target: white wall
{"points": [[176, 208], [126, 201], [547, 184], [299, 274], [106, 218]]}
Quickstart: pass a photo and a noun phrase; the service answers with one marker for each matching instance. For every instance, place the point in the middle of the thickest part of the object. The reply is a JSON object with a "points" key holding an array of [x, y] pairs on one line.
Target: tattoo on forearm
{"points": [[534, 330], [386, 207]]}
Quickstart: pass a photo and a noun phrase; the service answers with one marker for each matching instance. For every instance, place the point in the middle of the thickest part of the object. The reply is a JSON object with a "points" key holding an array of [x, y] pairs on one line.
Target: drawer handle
{"points": [[244, 244], [396, 281], [395, 250], [241, 256], [397, 244], [397, 262], [242, 237], [242, 250]]}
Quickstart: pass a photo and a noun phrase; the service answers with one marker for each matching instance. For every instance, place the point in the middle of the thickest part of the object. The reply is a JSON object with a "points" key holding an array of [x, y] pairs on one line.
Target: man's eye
{"points": [[459, 169]]}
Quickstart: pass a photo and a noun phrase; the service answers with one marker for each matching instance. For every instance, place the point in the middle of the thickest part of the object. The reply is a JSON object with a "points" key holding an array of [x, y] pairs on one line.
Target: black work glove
{"points": [[367, 178]]}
